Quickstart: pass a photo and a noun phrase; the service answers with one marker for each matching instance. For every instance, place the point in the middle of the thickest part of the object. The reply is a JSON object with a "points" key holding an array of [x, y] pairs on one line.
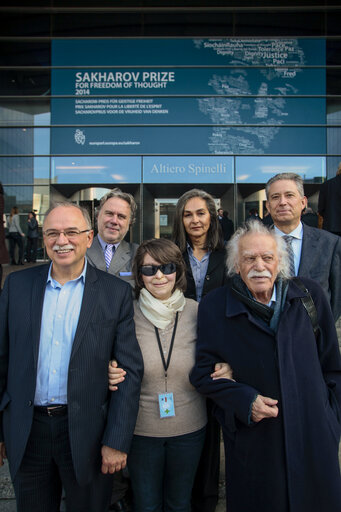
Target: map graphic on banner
{"points": [[183, 96]]}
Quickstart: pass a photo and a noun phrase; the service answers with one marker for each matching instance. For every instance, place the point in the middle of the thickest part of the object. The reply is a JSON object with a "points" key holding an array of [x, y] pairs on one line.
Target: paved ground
{"points": [[7, 500]]}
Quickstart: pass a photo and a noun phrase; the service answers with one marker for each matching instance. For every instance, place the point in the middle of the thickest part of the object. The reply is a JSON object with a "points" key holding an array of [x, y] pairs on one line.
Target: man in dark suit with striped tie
{"points": [[314, 253], [60, 326]]}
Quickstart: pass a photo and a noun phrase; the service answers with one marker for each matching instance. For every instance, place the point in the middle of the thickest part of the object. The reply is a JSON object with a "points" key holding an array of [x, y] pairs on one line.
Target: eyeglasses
{"points": [[151, 270], [70, 234]]}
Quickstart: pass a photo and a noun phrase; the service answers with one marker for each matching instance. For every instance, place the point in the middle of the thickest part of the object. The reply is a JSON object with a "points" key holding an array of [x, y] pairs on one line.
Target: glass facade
{"points": [[223, 125]]}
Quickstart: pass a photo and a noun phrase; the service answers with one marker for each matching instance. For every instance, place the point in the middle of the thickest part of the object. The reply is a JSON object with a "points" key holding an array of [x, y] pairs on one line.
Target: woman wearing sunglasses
{"points": [[197, 233], [170, 427]]}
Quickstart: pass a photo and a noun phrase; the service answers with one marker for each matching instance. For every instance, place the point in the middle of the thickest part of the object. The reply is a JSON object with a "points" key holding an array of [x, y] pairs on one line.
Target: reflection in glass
{"points": [[110, 170], [261, 169]]}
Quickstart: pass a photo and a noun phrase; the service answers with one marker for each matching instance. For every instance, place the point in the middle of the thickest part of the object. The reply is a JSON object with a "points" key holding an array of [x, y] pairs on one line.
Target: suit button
{"points": [[30, 403], [207, 278]]}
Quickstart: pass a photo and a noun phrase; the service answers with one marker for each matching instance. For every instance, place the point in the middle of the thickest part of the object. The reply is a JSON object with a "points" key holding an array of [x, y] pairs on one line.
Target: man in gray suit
{"points": [[109, 252], [316, 253], [61, 323]]}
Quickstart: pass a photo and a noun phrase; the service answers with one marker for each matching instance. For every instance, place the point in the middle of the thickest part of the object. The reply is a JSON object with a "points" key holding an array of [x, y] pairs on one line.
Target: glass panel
{"points": [[280, 24], [25, 24], [261, 169], [109, 170], [25, 141], [25, 112], [25, 170], [21, 82], [24, 54]]}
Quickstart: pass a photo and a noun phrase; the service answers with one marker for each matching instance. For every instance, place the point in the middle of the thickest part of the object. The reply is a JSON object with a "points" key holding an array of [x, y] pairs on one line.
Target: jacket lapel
{"points": [[120, 258], [88, 303], [309, 250]]}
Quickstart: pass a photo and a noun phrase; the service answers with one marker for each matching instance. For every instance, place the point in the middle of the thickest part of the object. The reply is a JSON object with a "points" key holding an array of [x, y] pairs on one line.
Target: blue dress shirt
{"points": [[199, 270], [59, 322]]}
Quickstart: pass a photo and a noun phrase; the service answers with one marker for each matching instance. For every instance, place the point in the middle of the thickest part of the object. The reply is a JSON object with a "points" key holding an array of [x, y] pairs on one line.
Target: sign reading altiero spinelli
{"points": [[188, 96]]}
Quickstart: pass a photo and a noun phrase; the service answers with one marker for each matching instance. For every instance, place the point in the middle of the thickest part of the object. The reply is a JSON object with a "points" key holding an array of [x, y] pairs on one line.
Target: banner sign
{"points": [[228, 96]]}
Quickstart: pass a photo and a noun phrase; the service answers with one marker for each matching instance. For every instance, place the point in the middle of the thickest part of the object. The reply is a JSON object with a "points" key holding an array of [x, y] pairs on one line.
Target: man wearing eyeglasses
{"points": [[60, 325]]}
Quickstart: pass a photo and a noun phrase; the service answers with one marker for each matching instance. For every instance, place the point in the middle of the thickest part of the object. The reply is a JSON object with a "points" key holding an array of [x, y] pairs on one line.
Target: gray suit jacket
{"points": [[120, 263], [321, 261], [105, 330]]}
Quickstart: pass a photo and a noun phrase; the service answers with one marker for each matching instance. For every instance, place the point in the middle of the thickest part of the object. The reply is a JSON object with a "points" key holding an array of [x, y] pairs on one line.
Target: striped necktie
{"points": [[108, 254], [288, 241]]}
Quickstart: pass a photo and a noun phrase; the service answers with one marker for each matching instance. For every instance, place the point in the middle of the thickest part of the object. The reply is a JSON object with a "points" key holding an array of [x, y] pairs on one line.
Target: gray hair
{"points": [[69, 204], [286, 176], [254, 227], [128, 198]]}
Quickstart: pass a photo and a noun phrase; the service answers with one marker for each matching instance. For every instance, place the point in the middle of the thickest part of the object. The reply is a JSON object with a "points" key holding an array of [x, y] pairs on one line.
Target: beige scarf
{"points": [[161, 312]]}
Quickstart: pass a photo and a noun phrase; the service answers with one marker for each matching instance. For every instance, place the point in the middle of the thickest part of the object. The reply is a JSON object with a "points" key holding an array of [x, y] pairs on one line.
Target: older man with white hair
{"points": [[280, 410]]}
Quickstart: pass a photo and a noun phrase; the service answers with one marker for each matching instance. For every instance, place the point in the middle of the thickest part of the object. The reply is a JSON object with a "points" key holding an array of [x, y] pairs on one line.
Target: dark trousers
{"points": [[16, 239], [31, 249], [205, 492], [162, 471], [47, 467]]}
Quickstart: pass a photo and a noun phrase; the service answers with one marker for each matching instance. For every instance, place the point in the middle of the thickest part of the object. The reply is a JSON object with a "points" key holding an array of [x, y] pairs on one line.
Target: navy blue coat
{"points": [[288, 463]]}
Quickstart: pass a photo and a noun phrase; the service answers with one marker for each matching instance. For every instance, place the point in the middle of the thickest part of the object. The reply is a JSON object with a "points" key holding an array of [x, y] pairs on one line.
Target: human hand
{"points": [[222, 371], [115, 375], [112, 460], [264, 407]]}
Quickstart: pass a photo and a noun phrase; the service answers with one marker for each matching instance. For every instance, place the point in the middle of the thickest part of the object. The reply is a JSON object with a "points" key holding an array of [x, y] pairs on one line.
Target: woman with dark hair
{"points": [[3, 249], [170, 427], [15, 236], [197, 233]]}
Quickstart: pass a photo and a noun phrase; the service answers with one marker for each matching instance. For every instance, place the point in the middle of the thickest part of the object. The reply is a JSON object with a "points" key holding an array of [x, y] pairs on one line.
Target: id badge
{"points": [[166, 404]]}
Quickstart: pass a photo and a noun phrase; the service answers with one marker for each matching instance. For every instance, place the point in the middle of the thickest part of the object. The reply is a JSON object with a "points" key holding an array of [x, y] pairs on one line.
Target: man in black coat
{"points": [[280, 410], [60, 326], [329, 205]]}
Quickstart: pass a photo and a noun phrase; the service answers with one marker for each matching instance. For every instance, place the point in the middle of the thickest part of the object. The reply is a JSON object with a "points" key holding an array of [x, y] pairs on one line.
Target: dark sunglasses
{"points": [[151, 270]]}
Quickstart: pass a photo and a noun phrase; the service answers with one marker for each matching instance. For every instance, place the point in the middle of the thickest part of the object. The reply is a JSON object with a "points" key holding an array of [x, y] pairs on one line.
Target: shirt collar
{"points": [[295, 233], [55, 283], [104, 244], [273, 296]]}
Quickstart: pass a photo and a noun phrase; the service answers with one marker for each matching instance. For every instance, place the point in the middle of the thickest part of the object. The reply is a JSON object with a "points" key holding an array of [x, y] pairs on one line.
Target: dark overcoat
{"points": [[288, 463]]}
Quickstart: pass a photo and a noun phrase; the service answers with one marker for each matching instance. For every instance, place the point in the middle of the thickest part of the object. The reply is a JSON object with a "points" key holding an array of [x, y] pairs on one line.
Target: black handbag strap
{"points": [[308, 304]]}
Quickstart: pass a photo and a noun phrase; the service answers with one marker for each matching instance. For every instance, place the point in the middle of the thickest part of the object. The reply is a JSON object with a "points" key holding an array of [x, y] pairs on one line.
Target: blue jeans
{"points": [[162, 471]]}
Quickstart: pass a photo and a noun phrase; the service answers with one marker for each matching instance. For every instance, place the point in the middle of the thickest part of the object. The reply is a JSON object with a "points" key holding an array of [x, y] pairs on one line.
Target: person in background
{"points": [[170, 427], [32, 238], [226, 224], [314, 253], [197, 233], [15, 236], [3, 249], [329, 205], [309, 218], [281, 411]]}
